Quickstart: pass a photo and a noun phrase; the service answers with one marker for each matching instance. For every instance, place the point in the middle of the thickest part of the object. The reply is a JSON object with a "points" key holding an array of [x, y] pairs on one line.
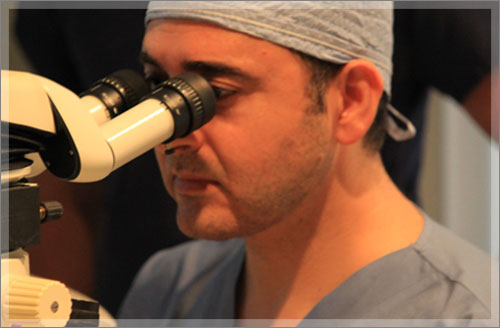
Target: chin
{"points": [[211, 233], [219, 223], [210, 228]]}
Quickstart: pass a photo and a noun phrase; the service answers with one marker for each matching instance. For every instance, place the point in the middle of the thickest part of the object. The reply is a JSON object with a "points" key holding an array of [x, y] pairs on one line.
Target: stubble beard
{"points": [[269, 198]]}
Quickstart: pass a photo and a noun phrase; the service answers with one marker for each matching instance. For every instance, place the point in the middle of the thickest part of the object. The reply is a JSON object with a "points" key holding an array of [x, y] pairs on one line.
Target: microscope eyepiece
{"points": [[119, 91], [190, 100]]}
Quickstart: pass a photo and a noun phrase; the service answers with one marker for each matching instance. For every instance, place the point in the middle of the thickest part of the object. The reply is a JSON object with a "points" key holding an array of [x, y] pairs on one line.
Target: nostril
{"points": [[191, 142], [169, 151]]}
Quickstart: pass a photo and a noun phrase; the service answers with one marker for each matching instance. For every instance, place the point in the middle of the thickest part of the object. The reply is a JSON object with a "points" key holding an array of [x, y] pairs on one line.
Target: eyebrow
{"points": [[144, 58], [215, 69], [207, 69]]}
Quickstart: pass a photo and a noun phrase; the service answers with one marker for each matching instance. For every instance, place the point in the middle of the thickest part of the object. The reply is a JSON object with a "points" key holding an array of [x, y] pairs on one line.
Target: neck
{"points": [[356, 218]]}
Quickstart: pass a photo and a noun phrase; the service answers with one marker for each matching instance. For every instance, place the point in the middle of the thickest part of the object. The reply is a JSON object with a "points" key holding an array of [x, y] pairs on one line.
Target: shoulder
{"points": [[464, 270], [439, 277], [169, 273]]}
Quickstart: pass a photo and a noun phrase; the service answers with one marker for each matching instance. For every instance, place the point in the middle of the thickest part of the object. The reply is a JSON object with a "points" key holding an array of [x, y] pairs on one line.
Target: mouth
{"points": [[191, 184]]}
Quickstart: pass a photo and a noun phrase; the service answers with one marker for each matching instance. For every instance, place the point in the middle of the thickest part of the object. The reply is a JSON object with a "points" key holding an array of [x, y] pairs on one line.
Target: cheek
{"points": [[264, 150], [249, 147], [264, 133]]}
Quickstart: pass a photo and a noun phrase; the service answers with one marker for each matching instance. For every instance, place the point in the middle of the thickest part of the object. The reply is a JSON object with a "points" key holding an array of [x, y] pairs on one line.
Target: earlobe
{"points": [[361, 86]]}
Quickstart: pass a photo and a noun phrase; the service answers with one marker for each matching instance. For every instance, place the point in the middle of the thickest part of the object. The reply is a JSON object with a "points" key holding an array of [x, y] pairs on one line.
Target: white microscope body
{"points": [[80, 139]]}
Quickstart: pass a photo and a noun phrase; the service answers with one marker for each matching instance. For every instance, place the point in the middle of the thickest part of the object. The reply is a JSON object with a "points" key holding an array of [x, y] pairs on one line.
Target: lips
{"points": [[191, 184]]}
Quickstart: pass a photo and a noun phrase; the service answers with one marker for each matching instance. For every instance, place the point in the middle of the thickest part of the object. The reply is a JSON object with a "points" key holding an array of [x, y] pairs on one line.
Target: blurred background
{"points": [[98, 245]]}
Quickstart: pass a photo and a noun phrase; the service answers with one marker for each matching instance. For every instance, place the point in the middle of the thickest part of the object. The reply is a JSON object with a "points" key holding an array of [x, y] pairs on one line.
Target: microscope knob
{"points": [[50, 211], [37, 302]]}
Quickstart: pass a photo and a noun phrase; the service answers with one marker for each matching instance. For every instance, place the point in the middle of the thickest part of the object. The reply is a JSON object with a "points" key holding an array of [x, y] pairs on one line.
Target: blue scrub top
{"points": [[439, 277]]}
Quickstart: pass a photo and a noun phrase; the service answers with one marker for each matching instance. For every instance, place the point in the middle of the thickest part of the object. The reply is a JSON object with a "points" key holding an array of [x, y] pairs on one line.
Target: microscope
{"points": [[79, 138]]}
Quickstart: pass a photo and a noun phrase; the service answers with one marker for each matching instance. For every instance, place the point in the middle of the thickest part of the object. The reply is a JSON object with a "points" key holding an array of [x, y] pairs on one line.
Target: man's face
{"points": [[265, 151]]}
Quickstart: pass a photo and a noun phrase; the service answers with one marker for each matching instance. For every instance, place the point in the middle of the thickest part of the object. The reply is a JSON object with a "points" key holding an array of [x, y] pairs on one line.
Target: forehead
{"points": [[173, 40]]}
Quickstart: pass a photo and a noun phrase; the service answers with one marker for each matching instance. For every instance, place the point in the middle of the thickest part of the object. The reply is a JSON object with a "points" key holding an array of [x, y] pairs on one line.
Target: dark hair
{"points": [[321, 73]]}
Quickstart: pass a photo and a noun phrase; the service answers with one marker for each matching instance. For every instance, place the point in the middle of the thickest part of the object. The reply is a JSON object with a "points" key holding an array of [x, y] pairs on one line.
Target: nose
{"points": [[191, 142]]}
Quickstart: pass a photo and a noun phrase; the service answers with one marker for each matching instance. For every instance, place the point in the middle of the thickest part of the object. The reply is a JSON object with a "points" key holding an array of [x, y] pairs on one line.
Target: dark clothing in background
{"points": [[449, 50], [445, 49]]}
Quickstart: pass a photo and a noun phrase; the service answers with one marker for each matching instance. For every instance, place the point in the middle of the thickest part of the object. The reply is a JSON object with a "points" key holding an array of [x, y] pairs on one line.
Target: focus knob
{"points": [[37, 302]]}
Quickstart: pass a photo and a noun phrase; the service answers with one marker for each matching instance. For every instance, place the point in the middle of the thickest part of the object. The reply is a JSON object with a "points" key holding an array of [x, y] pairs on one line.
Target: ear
{"points": [[360, 86]]}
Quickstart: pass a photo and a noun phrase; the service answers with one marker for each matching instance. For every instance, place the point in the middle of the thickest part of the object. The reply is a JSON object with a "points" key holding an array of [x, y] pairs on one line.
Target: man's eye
{"points": [[222, 93]]}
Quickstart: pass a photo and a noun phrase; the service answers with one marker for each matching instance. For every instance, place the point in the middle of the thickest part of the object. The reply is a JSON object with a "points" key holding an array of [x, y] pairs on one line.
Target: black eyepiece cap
{"points": [[132, 85], [198, 94]]}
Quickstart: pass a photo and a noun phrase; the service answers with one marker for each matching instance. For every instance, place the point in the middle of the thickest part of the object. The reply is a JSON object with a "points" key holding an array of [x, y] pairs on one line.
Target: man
{"points": [[429, 45], [287, 182]]}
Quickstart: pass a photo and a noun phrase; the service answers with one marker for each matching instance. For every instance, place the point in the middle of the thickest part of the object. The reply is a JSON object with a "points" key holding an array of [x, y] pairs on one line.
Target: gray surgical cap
{"points": [[333, 31]]}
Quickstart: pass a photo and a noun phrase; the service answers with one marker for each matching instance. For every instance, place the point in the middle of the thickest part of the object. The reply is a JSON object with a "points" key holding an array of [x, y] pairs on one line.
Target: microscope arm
{"points": [[39, 104]]}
